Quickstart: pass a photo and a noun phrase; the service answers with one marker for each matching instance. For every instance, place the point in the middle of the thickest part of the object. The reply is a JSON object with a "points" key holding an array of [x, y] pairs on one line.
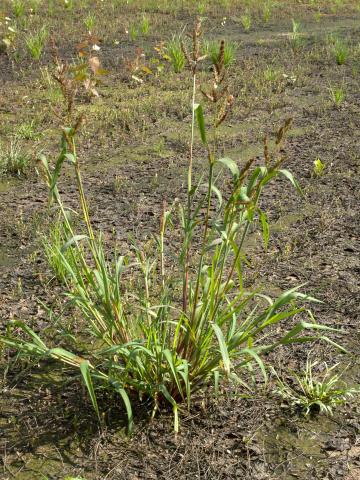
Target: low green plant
{"points": [[176, 54], [68, 4], [296, 40], [160, 332], [312, 392], [317, 16], [35, 42], [27, 131], [341, 51], [211, 49], [267, 10], [246, 21], [271, 74], [34, 5], [133, 32], [14, 159], [90, 21], [337, 95], [336, 5], [145, 25], [57, 256], [18, 8], [202, 6], [319, 167]]}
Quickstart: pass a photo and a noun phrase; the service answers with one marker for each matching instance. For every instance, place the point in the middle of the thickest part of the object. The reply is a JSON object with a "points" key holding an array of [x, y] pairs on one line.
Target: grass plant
{"points": [[212, 50], [14, 159], [296, 40], [90, 21], [341, 51], [53, 242], [145, 25], [35, 42], [18, 8], [312, 392], [319, 167], [267, 10], [176, 54], [337, 95], [246, 21], [145, 338]]}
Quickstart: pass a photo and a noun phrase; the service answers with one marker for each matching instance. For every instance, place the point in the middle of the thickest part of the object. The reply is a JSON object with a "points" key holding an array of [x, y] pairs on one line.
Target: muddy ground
{"points": [[134, 149]]}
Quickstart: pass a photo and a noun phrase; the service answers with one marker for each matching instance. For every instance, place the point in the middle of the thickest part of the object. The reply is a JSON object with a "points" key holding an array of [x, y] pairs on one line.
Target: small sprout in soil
{"points": [[34, 5], [296, 40], [176, 54], [14, 160], [318, 392], [337, 95], [201, 7], [27, 131], [319, 167], [271, 75], [145, 25], [89, 22], [18, 7], [341, 51], [212, 50], [246, 22], [35, 42], [267, 10]]}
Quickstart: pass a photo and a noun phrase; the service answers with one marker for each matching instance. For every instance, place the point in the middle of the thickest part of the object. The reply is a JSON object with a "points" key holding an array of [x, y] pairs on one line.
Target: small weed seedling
{"points": [[58, 256], [18, 7], [341, 51], [319, 167], [337, 95], [145, 25], [14, 160], [271, 75], [212, 50], [246, 22], [176, 54], [35, 43], [296, 40], [316, 393], [89, 22], [267, 10]]}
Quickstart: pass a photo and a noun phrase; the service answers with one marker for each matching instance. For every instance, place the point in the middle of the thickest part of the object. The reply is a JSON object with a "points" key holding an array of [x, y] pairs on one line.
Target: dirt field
{"points": [[134, 151]]}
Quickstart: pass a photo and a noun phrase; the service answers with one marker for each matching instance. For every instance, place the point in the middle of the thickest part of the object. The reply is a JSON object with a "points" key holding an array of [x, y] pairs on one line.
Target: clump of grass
{"points": [[212, 50], [145, 25], [202, 6], [34, 5], [341, 51], [319, 167], [143, 339], [18, 8], [57, 253], [337, 95], [246, 21], [27, 131], [296, 40], [35, 42], [14, 159], [267, 10], [140, 27], [316, 393], [90, 21], [271, 74], [176, 54]]}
